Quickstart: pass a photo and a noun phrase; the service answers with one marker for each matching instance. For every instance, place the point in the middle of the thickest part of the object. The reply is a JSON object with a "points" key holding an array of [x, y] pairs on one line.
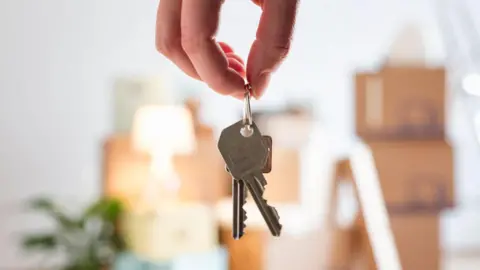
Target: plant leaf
{"points": [[47, 206], [108, 209], [40, 242], [118, 242]]}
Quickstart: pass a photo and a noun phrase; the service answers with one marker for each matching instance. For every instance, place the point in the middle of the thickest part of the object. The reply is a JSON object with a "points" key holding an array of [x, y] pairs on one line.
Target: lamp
{"points": [[162, 132]]}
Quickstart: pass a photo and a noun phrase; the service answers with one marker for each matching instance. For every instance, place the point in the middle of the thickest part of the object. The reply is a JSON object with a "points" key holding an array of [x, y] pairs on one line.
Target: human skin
{"points": [[185, 34]]}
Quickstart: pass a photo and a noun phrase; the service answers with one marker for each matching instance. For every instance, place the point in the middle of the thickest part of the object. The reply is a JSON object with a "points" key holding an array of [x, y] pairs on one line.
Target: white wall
{"points": [[58, 59]]}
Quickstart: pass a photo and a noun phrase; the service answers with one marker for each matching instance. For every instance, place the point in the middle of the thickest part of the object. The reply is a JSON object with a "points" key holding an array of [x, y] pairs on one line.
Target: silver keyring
{"points": [[247, 130], [247, 111]]}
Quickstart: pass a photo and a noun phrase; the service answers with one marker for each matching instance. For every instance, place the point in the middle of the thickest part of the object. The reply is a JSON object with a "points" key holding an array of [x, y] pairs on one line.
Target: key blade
{"points": [[263, 182], [242, 155], [239, 214], [269, 213]]}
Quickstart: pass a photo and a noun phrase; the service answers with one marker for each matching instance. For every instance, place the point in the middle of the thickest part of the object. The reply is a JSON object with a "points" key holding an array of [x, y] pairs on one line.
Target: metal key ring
{"points": [[247, 130], [247, 111]]}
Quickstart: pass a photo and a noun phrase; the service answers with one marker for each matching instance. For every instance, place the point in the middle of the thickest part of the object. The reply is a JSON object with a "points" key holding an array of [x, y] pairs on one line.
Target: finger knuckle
{"points": [[168, 45], [281, 50]]}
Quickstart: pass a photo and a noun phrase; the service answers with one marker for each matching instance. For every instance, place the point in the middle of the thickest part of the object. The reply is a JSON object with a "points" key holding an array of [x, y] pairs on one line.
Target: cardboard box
{"points": [[417, 240], [247, 253], [203, 174], [284, 178], [401, 102], [258, 250], [167, 233], [415, 176], [126, 172]]}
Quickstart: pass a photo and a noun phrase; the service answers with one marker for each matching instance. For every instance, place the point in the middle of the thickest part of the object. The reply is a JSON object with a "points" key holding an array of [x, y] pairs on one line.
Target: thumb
{"points": [[272, 43]]}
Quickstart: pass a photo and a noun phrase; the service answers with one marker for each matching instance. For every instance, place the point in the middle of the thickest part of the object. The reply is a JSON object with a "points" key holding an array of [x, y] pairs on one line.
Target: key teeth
{"points": [[274, 210], [244, 218]]}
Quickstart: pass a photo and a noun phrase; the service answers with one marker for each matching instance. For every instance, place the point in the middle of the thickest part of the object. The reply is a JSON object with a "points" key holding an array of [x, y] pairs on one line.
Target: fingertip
{"points": [[225, 47], [229, 83], [233, 55], [259, 84], [234, 64], [258, 2]]}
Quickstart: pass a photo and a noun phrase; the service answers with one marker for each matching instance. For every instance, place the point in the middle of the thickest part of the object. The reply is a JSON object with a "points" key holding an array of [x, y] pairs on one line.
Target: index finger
{"points": [[272, 42], [199, 25]]}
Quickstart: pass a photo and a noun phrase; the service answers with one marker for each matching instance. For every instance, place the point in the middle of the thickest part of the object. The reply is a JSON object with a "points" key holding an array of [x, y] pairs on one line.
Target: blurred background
{"points": [[108, 155]]}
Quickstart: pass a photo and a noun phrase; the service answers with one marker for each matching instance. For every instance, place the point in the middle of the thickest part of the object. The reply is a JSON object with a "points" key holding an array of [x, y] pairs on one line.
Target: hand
{"points": [[186, 35]]}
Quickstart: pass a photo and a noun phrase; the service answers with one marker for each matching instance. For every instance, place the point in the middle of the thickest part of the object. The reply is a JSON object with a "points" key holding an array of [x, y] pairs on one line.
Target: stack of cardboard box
{"points": [[202, 174], [400, 115], [188, 230]]}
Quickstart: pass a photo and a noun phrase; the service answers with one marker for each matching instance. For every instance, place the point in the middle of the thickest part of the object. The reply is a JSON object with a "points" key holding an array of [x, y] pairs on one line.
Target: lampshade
{"points": [[163, 129]]}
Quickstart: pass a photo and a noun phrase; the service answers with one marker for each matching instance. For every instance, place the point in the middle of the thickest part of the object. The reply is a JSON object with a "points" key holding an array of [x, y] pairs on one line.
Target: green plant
{"points": [[90, 241]]}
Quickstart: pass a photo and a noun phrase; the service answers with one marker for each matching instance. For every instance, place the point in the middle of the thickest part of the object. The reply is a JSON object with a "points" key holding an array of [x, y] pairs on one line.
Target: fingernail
{"points": [[260, 84]]}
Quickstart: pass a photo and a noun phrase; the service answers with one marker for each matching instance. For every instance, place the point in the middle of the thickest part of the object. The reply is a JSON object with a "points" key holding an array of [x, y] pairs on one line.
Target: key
{"points": [[268, 164], [245, 155], [239, 195]]}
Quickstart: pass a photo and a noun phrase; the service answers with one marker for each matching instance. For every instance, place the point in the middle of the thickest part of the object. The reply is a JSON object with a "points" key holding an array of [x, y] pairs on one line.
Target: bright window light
{"points": [[471, 84]]}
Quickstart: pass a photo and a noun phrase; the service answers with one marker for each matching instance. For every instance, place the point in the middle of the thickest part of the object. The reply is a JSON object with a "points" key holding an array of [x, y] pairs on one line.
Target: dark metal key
{"points": [[239, 195], [245, 155], [269, 213], [268, 163]]}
